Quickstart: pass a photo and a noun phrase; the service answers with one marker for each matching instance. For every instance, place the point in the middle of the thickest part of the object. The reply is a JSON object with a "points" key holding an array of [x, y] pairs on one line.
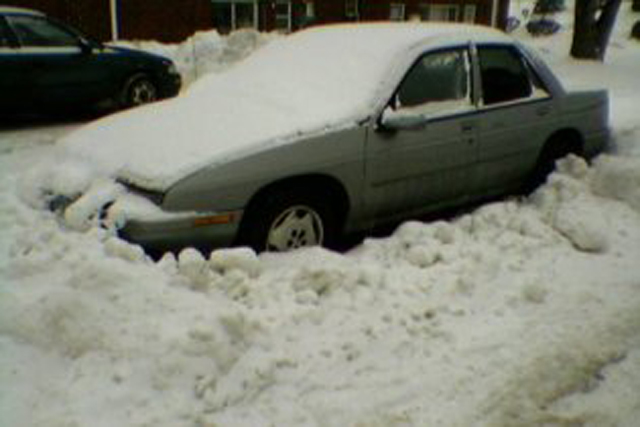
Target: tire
{"points": [[290, 218], [139, 90]]}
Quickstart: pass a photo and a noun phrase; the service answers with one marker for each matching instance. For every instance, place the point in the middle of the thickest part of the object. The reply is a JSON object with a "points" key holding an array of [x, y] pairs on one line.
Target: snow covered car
{"points": [[46, 65], [326, 131]]}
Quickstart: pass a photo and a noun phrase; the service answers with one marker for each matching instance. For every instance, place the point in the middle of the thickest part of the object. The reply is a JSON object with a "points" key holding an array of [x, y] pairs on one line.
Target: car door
{"points": [[17, 93], [61, 71], [513, 119], [420, 155]]}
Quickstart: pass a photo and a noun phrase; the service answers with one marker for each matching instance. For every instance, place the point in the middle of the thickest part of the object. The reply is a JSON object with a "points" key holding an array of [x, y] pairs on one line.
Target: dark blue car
{"points": [[48, 66]]}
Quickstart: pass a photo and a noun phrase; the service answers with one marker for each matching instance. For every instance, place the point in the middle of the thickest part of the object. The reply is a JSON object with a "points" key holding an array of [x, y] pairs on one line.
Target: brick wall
{"points": [[175, 20], [166, 21], [89, 16]]}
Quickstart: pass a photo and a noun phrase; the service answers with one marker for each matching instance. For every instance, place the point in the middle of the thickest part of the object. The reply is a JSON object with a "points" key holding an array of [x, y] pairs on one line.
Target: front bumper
{"points": [[200, 231], [169, 85], [138, 219]]}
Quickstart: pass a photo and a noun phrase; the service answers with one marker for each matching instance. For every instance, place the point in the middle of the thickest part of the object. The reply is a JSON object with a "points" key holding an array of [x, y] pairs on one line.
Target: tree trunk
{"points": [[594, 20]]}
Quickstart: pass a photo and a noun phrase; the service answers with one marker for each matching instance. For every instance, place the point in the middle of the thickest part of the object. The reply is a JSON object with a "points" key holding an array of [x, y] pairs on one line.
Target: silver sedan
{"points": [[334, 130]]}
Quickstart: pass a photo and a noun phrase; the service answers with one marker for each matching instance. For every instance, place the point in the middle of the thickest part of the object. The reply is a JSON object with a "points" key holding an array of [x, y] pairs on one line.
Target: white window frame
{"points": [[310, 9], [442, 12], [397, 11], [288, 16]]}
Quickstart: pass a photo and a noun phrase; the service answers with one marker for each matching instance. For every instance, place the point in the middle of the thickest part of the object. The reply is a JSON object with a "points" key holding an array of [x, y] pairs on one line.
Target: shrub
{"points": [[543, 27]]}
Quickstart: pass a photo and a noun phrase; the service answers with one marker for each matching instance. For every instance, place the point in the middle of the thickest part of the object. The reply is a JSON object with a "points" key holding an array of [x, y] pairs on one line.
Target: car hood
{"points": [[314, 82], [134, 52], [155, 146]]}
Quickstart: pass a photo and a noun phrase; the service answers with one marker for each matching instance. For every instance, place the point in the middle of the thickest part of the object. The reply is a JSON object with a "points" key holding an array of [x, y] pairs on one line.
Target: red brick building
{"points": [[174, 20]]}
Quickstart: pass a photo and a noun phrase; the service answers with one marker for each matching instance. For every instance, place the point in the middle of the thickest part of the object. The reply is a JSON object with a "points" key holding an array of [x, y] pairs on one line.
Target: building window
{"points": [[469, 13], [283, 15], [396, 12], [439, 12], [310, 10], [351, 9], [303, 14], [229, 15]]}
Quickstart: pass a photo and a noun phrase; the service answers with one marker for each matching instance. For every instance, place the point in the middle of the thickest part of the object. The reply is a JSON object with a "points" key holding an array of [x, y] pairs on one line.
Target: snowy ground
{"points": [[524, 312]]}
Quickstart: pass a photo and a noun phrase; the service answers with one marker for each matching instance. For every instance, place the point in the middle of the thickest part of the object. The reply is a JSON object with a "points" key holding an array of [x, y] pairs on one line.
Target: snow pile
{"points": [[511, 315], [522, 313], [206, 51]]}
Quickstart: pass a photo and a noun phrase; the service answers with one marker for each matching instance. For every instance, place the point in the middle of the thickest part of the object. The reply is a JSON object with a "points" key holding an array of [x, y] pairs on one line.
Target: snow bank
{"points": [[524, 312], [512, 315], [206, 51]]}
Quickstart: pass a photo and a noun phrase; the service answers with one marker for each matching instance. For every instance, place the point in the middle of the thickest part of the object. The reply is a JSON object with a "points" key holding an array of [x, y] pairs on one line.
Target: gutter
{"points": [[495, 4], [115, 26]]}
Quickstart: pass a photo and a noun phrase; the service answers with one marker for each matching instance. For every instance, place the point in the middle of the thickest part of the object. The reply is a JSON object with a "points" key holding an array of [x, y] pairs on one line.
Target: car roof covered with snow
{"points": [[312, 82]]}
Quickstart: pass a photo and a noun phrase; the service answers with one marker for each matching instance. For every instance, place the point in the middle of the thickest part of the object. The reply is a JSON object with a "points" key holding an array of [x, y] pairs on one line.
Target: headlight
{"points": [[155, 197], [171, 68]]}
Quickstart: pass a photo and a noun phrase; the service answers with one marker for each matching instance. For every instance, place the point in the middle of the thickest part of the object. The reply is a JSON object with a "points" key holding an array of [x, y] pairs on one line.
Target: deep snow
{"points": [[524, 312]]}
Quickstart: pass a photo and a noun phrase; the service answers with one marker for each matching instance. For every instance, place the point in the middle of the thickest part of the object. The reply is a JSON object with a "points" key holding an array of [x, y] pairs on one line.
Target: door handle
{"points": [[467, 127], [543, 111]]}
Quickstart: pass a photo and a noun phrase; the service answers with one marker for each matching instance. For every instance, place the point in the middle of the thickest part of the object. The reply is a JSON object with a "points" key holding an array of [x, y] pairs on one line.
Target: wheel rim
{"points": [[296, 227], [142, 92]]}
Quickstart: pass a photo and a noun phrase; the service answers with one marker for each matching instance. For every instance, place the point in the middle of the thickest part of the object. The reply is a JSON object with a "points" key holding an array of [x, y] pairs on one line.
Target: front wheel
{"points": [[289, 219], [139, 90]]}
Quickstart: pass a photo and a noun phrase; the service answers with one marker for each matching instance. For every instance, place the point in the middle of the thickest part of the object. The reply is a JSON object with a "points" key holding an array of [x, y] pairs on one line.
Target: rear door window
{"points": [[504, 75]]}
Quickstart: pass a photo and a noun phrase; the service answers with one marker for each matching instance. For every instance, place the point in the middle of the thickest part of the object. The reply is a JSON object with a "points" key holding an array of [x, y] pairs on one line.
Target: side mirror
{"points": [[404, 119], [88, 46]]}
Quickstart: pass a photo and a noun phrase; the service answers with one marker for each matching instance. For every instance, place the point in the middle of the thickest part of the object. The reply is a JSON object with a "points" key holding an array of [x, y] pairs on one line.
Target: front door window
{"points": [[38, 32], [437, 83]]}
